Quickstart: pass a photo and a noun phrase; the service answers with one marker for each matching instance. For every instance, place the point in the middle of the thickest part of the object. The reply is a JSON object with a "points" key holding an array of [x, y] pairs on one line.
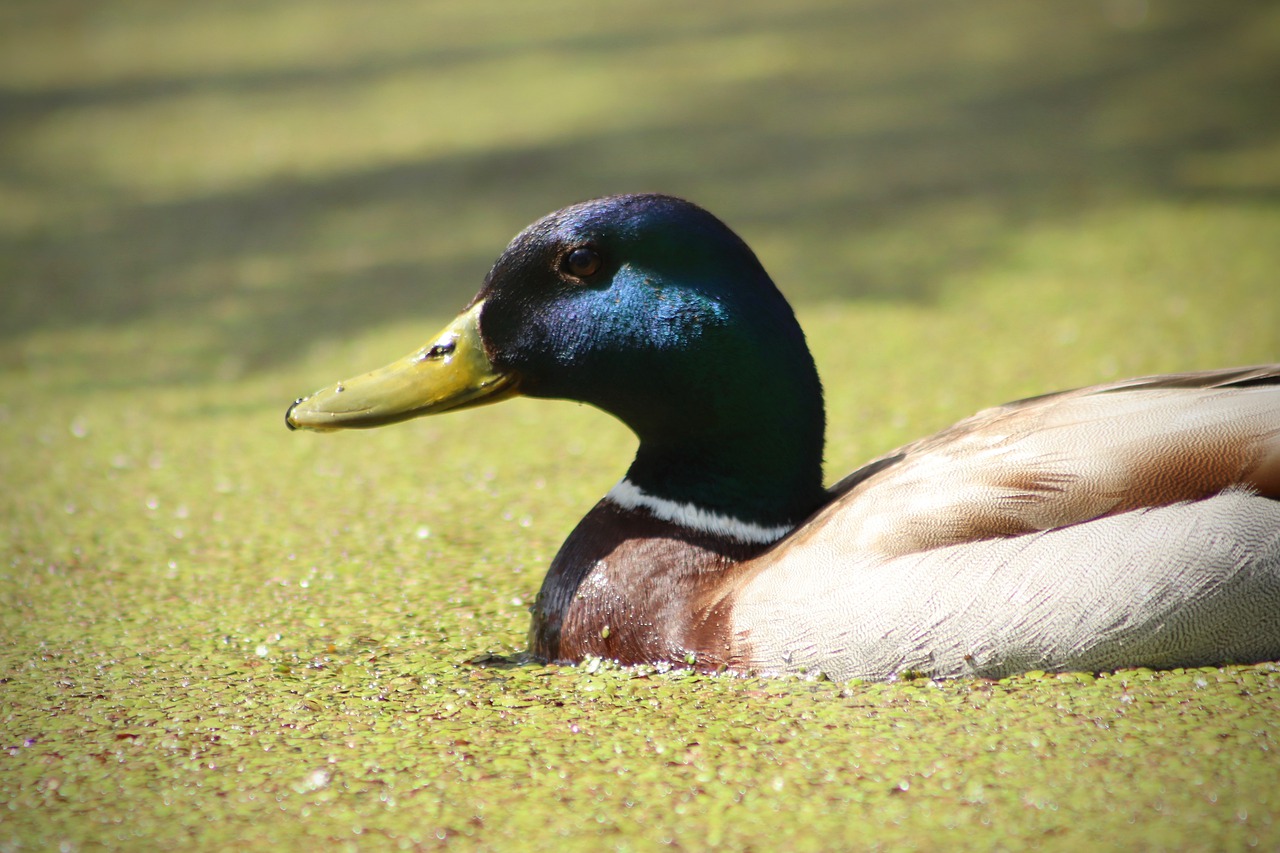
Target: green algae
{"points": [[206, 751], [217, 635]]}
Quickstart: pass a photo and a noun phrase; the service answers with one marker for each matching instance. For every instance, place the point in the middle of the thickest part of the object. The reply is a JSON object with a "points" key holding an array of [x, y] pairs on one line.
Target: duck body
{"points": [[1131, 524]]}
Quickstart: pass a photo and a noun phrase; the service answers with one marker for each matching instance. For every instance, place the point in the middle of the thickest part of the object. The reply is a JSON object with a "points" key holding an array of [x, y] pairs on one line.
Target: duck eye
{"points": [[582, 262]]}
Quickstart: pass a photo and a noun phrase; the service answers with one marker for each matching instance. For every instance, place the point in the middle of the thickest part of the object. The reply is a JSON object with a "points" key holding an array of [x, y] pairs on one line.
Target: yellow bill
{"points": [[452, 372]]}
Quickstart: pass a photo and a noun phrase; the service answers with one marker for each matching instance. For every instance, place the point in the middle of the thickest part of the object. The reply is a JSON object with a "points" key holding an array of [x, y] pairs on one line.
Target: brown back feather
{"points": [[1060, 459]]}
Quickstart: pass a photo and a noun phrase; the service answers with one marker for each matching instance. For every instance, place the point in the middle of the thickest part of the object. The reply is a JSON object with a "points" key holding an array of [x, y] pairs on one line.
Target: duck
{"points": [[1129, 524]]}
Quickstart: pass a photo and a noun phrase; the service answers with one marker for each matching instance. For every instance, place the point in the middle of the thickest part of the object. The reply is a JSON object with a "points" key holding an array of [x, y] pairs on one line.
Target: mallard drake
{"points": [[1129, 524]]}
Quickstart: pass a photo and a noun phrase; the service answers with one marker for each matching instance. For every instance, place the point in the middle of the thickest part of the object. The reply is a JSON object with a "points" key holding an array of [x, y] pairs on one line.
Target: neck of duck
{"points": [[645, 574]]}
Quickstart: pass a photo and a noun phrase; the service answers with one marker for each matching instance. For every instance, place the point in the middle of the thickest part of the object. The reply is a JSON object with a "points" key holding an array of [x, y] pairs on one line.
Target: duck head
{"points": [[651, 309]]}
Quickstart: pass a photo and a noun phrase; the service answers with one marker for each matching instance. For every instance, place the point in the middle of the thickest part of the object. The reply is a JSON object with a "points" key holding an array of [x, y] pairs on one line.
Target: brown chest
{"points": [[631, 588]]}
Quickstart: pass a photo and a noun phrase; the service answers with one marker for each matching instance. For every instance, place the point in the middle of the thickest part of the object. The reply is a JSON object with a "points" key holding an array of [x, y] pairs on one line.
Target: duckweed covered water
{"points": [[367, 740], [217, 635]]}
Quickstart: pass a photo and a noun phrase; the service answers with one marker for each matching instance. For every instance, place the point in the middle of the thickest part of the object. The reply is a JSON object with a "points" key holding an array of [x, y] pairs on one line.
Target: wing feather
{"points": [[1051, 461]]}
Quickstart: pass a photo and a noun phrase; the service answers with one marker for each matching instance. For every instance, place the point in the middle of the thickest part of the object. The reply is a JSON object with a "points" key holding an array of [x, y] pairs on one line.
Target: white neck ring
{"points": [[630, 496]]}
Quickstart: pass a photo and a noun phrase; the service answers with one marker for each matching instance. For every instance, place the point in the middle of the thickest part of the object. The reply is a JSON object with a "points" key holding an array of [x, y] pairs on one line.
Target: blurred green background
{"points": [[217, 635], [278, 173]]}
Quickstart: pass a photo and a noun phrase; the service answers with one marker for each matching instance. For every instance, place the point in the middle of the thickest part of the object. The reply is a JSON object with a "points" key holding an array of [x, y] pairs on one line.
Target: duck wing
{"points": [[1060, 459], [1130, 524], [1190, 584]]}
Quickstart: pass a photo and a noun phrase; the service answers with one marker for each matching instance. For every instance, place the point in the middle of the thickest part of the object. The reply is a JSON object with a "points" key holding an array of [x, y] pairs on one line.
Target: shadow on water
{"points": [[827, 153]]}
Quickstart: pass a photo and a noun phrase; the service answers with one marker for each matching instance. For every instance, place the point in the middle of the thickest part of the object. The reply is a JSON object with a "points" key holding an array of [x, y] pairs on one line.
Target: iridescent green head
{"points": [[649, 308]]}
